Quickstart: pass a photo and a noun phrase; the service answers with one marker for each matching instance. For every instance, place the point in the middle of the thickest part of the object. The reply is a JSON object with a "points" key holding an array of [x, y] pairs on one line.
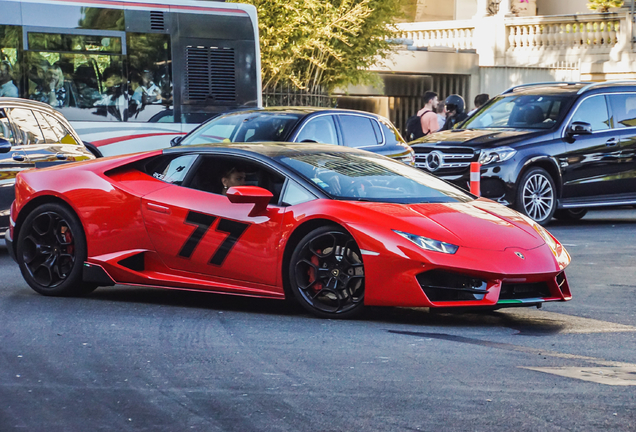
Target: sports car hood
{"points": [[476, 138], [480, 224]]}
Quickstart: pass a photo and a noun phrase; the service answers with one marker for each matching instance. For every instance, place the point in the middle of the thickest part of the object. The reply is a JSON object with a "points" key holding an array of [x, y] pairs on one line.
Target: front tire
{"points": [[326, 273], [536, 196], [51, 251]]}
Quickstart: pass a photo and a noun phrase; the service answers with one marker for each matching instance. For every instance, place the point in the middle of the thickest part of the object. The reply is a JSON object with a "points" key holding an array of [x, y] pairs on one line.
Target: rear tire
{"points": [[536, 195], [326, 273], [570, 214], [51, 251]]}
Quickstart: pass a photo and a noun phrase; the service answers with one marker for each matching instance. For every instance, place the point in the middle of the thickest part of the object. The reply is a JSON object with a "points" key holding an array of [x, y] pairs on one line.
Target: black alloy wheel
{"points": [[51, 251], [536, 196], [327, 273], [570, 214]]}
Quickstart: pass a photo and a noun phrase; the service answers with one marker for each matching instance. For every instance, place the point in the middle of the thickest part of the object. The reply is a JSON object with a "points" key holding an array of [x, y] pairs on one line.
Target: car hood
{"points": [[476, 138], [480, 224]]}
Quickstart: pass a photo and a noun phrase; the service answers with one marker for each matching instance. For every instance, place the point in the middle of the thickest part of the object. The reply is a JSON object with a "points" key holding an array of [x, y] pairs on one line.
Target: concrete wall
{"points": [[465, 9], [434, 10], [494, 80]]}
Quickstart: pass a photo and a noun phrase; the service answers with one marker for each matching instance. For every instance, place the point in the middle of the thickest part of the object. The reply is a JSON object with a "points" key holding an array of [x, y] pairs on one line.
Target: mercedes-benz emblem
{"points": [[434, 160], [520, 255]]}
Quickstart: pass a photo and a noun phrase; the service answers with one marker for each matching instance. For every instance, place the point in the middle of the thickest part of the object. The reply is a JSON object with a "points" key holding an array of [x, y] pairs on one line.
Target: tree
{"points": [[604, 5], [322, 44]]}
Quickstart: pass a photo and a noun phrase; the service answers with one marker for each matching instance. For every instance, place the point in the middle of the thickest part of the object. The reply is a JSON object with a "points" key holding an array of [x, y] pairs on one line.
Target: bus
{"points": [[131, 75]]}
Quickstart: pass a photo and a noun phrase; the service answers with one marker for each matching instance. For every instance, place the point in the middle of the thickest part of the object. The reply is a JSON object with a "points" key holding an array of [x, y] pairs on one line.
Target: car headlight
{"points": [[429, 244], [499, 154]]}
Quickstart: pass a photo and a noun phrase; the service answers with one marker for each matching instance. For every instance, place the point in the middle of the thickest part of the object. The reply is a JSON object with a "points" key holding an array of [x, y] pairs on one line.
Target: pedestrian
{"points": [[480, 100], [441, 114], [425, 121], [455, 109]]}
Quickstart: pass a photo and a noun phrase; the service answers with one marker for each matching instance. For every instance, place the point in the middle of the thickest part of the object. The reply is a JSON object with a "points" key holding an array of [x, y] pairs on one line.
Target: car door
{"points": [[591, 162], [196, 229], [623, 106], [11, 163], [361, 132], [40, 149]]}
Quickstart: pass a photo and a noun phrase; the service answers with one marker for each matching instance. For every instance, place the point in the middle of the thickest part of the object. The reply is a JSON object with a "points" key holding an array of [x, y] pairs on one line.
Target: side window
{"points": [[623, 110], [296, 194], [50, 137], [171, 169], [9, 65], [62, 133], [149, 75], [211, 172], [26, 126], [320, 129], [5, 128], [593, 110], [357, 131], [391, 135]]}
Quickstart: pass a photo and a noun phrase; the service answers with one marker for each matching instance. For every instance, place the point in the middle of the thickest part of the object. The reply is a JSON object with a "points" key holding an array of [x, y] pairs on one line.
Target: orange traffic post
{"points": [[474, 178]]}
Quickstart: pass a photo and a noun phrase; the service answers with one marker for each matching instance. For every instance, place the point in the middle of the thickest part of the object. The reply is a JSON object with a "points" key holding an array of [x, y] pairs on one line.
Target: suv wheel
{"points": [[536, 195]]}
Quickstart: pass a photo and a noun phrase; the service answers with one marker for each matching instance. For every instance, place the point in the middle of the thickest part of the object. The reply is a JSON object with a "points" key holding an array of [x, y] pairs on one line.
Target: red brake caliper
{"points": [[68, 238], [312, 273]]}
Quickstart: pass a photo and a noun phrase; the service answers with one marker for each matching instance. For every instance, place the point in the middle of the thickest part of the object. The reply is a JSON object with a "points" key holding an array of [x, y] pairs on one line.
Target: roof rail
{"points": [[553, 83], [594, 84]]}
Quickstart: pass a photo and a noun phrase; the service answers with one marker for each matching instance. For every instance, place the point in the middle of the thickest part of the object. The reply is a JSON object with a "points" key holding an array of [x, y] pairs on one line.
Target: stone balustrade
{"points": [[450, 34], [589, 33]]}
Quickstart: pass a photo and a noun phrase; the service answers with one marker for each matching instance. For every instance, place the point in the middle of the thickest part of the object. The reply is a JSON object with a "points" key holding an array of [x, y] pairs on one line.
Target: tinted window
{"points": [[171, 169], [593, 110], [26, 126], [623, 110], [518, 111], [321, 129], [357, 131], [9, 66], [391, 135], [244, 127], [5, 128], [296, 194], [370, 177]]}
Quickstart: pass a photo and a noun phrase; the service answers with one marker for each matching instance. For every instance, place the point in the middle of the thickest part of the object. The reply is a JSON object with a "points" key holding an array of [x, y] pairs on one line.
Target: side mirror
{"points": [[250, 195], [579, 128], [176, 141], [5, 146]]}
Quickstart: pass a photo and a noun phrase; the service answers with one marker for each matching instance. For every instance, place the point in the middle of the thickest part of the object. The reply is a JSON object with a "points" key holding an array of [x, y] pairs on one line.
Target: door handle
{"points": [[17, 157], [158, 208], [61, 156], [611, 142]]}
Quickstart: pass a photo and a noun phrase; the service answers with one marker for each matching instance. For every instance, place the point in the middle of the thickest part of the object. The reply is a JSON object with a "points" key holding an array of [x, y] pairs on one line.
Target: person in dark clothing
{"points": [[455, 108]]}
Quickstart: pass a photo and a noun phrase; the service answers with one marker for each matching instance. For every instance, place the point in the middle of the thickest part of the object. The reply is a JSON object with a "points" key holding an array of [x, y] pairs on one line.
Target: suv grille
{"points": [[444, 160]]}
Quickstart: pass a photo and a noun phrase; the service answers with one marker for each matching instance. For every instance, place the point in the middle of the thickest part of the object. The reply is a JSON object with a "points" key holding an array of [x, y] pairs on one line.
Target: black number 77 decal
{"points": [[203, 222]]}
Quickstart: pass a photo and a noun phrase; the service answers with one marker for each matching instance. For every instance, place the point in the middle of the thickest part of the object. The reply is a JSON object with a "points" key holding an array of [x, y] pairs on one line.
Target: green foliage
{"points": [[604, 5], [322, 44]]}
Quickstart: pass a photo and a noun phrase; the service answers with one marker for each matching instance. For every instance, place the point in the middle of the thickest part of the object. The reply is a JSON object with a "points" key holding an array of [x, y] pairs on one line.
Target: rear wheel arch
{"points": [[33, 204]]}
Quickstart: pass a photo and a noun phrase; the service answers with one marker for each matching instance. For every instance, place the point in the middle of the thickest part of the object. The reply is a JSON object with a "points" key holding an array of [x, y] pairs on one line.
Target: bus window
{"points": [[9, 39], [149, 75]]}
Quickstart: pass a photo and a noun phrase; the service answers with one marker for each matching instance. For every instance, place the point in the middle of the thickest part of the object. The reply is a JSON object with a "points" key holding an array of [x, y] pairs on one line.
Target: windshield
{"points": [[244, 127], [370, 177], [519, 112]]}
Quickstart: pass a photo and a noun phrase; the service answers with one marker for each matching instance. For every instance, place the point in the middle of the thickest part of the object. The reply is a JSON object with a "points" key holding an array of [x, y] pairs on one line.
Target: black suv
{"points": [[546, 149]]}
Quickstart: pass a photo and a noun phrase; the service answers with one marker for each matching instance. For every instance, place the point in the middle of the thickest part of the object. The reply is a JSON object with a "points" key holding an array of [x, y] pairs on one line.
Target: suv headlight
{"points": [[429, 244], [499, 154]]}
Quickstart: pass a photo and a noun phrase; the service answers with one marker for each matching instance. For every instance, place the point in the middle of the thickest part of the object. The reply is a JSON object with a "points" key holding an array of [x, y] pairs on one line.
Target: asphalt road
{"points": [[131, 359]]}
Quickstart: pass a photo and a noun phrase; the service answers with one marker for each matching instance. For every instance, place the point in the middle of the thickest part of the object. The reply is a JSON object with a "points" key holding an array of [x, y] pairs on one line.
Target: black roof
{"points": [[267, 149], [301, 110], [569, 88]]}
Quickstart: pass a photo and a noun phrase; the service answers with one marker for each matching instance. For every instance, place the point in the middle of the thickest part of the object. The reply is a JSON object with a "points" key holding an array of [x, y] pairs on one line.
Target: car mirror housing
{"points": [[579, 128], [176, 141], [250, 195], [5, 146]]}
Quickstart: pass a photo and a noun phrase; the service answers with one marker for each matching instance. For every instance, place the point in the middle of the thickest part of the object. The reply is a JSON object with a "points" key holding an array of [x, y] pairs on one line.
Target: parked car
{"points": [[32, 135], [546, 149], [333, 227], [348, 128]]}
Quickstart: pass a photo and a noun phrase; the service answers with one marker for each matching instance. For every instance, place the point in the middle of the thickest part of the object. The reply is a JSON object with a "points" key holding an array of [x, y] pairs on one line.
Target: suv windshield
{"points": [[244, 127], [369, 177], [519, 112]]}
